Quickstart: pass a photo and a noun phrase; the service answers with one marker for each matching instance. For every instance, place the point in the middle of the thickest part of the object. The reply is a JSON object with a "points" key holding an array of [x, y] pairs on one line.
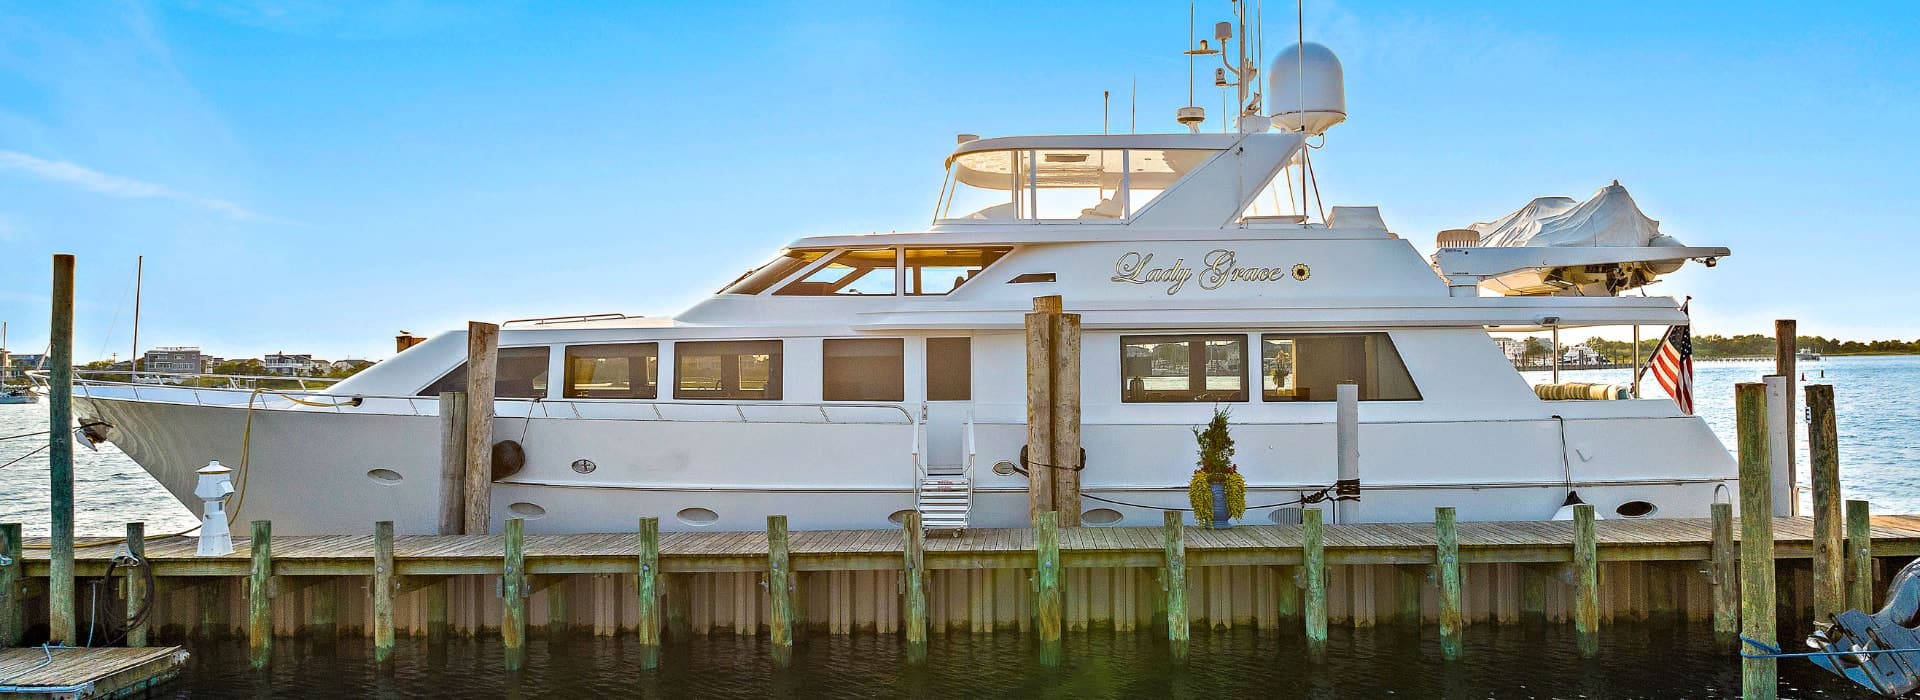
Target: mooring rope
{"points": [[1314, 497]]}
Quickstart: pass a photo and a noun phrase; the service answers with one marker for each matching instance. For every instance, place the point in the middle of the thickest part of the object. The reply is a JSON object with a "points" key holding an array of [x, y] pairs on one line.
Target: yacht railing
{"points": [[257, 393]]}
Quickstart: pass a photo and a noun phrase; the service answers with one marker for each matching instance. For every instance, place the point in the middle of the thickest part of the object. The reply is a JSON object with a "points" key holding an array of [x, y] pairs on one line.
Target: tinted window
{"points": [[867, 272], [521, 373], [1308, 367], [624, 371], [864, 369], [740, 369], [1180, 368], [949, 369]]}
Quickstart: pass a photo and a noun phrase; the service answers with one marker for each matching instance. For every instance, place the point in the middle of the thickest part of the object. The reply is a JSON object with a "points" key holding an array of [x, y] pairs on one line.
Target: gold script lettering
{"points": [[1136, 268]]}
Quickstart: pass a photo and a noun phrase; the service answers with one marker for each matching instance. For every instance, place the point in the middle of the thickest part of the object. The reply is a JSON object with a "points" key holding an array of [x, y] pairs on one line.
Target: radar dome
{"points": [[1307, 89]]}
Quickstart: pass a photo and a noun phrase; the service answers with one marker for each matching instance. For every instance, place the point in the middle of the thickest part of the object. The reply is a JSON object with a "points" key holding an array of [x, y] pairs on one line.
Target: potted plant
{"points": [[1217, 492]]}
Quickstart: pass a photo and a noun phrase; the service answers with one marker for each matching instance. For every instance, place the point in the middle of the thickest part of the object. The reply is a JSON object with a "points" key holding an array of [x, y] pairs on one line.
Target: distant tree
{"points": [[248, 367], [1535, 348]]}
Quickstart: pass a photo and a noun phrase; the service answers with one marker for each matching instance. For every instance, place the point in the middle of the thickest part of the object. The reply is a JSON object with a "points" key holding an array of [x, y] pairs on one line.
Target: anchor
{"points": [[1881, 651]]}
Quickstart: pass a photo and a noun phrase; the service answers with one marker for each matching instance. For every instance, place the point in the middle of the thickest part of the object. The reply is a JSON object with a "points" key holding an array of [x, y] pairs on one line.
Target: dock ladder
{"points": [[943, 493]]}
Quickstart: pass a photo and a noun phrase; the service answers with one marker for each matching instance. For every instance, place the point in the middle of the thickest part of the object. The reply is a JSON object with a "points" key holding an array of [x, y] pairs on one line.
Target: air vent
{"points": [[1635, 509], [1101, 516], [1032, 278], [697, 517]]}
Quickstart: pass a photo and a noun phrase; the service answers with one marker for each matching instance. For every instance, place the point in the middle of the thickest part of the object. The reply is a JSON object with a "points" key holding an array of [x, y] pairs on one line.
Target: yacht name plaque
{"points": [[1219, 268]]}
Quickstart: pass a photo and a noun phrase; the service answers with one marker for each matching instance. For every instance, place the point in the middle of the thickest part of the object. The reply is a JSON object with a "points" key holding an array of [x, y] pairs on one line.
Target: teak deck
{"points": [[1087, 547], [100, 672]]}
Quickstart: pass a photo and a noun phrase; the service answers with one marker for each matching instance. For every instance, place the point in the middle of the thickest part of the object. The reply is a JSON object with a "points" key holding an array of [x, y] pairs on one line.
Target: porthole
{"points": [[384, 477], [584, 466], [528, 511], [899, 517], [1635, 509], [1101, 516], [697, 517]]}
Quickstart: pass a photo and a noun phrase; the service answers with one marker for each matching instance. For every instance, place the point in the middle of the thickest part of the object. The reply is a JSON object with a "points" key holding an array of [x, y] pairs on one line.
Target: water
{"points": [[1636, 660]]}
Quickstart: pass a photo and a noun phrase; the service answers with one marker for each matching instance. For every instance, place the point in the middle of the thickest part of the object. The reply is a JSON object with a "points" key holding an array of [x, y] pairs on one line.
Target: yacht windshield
{"points": [[759, 279], [1061, 184]]}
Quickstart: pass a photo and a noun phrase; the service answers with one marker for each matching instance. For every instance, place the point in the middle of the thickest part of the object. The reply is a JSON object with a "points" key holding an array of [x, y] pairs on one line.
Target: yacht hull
{"points": [[338, 471]]}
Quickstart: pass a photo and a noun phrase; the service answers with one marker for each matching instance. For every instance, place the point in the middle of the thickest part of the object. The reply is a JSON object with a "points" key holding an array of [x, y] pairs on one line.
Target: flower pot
{"points": [[1220, 521]]}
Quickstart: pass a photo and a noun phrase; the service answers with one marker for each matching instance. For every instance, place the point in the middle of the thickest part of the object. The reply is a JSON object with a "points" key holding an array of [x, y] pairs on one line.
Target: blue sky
{"points": [[314, 176]]}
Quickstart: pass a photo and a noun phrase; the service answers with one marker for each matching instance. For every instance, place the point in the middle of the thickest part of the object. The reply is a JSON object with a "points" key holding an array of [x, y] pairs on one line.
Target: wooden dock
{"points": [[845, 582], [100, 672]]}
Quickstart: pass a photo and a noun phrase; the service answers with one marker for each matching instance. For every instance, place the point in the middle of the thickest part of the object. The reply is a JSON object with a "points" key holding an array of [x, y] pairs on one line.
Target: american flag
{"points": [[1672, 364]]}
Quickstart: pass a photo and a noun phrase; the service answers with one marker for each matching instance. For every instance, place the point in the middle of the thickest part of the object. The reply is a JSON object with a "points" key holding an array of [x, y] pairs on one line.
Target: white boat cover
{"points": [[1609, 218]]}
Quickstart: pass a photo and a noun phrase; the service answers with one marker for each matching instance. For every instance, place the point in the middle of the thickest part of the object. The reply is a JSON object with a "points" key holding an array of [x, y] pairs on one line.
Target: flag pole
{"points": [[1636, 360]]}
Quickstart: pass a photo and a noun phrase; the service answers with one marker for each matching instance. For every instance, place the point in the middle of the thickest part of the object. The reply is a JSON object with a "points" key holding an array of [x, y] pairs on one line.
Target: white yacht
{"points": [[834, 381]]}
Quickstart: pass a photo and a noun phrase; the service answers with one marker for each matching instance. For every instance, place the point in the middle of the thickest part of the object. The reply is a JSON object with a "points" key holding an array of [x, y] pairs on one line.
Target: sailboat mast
{"points": [[139, 272]]}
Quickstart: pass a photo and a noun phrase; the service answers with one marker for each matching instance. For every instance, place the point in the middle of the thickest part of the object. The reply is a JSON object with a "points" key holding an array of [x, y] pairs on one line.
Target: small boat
{"points": [[17, 395]]}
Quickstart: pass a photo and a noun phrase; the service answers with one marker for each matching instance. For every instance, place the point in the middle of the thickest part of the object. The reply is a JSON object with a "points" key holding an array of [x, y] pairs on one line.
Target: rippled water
{"points": [[1878, 402], [1636, 660]]}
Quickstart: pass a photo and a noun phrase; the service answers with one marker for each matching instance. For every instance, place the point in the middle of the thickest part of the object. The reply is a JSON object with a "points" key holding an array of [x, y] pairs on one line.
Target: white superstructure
{"points": [[854, 378]]}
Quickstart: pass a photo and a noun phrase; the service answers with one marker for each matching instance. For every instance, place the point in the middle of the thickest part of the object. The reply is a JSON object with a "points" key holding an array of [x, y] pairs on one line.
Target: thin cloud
{"points": [[116, 186]]}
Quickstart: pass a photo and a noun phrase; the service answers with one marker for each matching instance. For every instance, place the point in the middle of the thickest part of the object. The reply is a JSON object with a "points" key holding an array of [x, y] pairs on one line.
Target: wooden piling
{"points": [[483, 352], [436, 602], [383, 591], [1586, 582], [13, 585], [780, 591], [648, 589], [1829, 545], [139, 599], [1174, 579], [323, 614], [260, 595], [559, 612], [1533, 593], [513, 588], [1786, 352], [1859, 556], [1065, 409], [679, 605], [1447, 558], [61, 624], [1313, 555], [210, 604], [1040, 458], [1048, 601], [1759, 678], [914, 582], [453, 462], [1723, 576], [1409, 580]]}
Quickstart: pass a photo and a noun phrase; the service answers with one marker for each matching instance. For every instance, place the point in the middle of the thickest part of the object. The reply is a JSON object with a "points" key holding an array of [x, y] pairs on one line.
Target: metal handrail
{"points": [[414, 404]]}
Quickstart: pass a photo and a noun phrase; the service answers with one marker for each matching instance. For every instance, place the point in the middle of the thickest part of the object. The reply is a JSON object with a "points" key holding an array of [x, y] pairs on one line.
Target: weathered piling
{"points": [[383, 591], [779, 591], [13, 586], [1786, 355], [1859, 555], [1586, 582], [1723, 576], [60, 600], [1446, 556], [1048, 601], [260, 595], [1412, 579], [1313, 559], [1829, 546], [436, 602], [139, 599], [1065, 410], [453, 462], [483, 351], [1173, 579], [1758, 677], [913, 581], [647, 587], [1533, 592], [513, 588], [1040, 458]]}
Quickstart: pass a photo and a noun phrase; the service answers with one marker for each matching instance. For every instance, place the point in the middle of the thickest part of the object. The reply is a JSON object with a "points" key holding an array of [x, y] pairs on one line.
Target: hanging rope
{"points": [[1315, 497]]}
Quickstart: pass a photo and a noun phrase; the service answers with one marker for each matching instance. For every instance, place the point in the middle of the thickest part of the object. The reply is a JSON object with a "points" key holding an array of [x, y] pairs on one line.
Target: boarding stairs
{"points": [[943, 494]]}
